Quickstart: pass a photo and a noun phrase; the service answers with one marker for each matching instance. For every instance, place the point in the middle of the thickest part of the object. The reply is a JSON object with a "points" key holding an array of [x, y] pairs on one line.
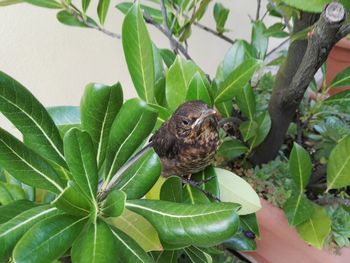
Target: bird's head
{"points": [[194, 118]]}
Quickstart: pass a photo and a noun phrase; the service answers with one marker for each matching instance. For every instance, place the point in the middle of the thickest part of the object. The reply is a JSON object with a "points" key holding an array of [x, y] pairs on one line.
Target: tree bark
{"points": [[304, 58]]}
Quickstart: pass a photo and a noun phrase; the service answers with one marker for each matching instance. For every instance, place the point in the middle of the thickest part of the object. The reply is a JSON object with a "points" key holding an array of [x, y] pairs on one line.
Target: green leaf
{"points": [[95, 244], [99, 107], [48, 240], [139, 229], [81, 159], [159, 77], [235, 190], [231, 148], [85, 4], [300, 166], [163, 115], [127, 134], [220, 16], [259, 40], [198, 89], [236, 79], [152, 12], [138, 53], [7, 212], [65, 117], [338, 168], [341, 79], [250, 223], [45, 3], [246, 101], [128, 250], [171, 190], [341, 99], [168, 57], [191, 195], [27, 166], [10, 193], [212, 186], [68, 19], [31, 119], [276, 30], [138, 179], [316, 229], [177, 81], [102, 9], [165, 256], [298, 209], [9, 2], [315, 6], [114, 203], [248, 129], [197, 255], [240, 242], [12, 230], [73, 202], [263, 122], [217, 220]]}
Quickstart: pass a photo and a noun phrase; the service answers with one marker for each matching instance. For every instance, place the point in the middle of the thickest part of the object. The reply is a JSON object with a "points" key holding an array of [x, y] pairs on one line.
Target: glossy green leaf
{"points": [[217, 220], [168, 57], [248, 129], [45, 3], [316, 229], [300, 166], [48, 240], [192, 195], [152, 12], [246, 101], [31, 119], [139, 229], [236, 79], [13, 229], [263, 123], [340, 99], [127, 134], [9, 2], [81, 158], [298, 209], [7, 212], [138, 53], [196, 255], [138, 179], [177, 80], [250, 222], [102, 9], [85, 4], [239, 242], [338, 168], [95, 244], [10, 193], [220, 16], [128, 250], [27, 166], [73, 202], [114, 203], [225, 108], [198, 89], [65, 117], [231, 148], [165, 256], [259, 40], [159, 76], [234, 189], [341, 79], [276, 30], [212, 185], [315, 6], [99, 107], [163, 114], [172, 190], [68, 19]]}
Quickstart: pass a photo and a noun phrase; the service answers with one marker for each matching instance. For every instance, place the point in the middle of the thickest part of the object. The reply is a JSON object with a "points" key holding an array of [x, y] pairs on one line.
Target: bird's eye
{"points": [[184, 122]]}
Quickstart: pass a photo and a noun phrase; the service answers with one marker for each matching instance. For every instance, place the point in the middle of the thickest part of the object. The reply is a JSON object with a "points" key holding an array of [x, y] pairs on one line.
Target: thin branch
{"points": [[333, 201], [277, 48], [168, 34], [165, 24], [212, 31], [258, 10]]}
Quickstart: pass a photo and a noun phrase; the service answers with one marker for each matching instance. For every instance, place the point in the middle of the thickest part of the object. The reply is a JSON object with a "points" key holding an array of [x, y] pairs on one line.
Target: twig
{"points": [[212, 31], [258, 10], [197, 186], [277, 48], [168, 34], [333, 201], [165, 24]]}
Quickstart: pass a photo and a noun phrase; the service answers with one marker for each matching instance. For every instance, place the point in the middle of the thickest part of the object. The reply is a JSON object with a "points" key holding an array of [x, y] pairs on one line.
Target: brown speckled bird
{"points": [[188, 141]]}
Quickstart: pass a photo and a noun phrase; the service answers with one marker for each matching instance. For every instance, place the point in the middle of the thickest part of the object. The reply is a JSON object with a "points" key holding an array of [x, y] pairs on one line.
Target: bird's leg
{"points": [[198, 187]]}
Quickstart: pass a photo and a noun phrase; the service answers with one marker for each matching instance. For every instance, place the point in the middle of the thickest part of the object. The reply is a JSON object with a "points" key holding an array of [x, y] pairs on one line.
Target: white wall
{"points": [[56, 62]]}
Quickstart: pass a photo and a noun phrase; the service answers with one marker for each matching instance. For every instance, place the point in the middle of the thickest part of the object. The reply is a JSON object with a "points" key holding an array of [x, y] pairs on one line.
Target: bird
{"points": [[187, 142]]}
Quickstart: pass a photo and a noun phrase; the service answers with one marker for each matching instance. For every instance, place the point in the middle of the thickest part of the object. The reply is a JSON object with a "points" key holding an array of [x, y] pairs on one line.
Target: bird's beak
{"points": [[206, 114]]}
